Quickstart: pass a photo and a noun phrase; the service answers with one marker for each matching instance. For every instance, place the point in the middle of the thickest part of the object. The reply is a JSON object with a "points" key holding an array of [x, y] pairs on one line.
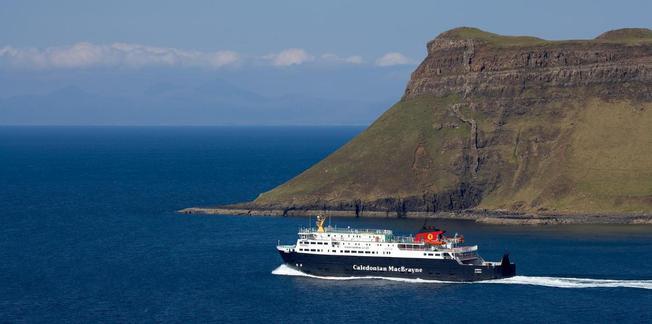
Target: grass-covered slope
{"points": [[623, 36], [586, 156], [406, 151], [595, 159]]}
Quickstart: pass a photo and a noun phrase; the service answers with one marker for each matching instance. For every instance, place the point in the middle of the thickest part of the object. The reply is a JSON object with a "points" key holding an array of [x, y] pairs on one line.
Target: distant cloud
{"points": [[290, 56], [82, 55], [85, 55], [393, 58], [355, 59]]}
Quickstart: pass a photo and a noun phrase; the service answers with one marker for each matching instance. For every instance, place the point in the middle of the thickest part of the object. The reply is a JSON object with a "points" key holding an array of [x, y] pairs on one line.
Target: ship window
{"points": [[312, 250], [312, 242], [366, 252], [437, 254]]}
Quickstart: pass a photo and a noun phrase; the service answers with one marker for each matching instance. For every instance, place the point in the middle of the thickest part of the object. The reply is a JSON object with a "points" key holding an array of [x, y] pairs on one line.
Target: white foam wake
{"points": [[558, 282], [561, 282]]}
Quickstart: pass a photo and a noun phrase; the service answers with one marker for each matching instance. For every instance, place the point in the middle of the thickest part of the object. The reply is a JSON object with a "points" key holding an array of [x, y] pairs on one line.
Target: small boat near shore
{"points": [[430, 254]]}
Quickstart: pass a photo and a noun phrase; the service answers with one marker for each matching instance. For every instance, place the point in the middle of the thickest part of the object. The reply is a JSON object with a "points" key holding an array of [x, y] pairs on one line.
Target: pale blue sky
{"points": [[367, 28], [116, 51]]}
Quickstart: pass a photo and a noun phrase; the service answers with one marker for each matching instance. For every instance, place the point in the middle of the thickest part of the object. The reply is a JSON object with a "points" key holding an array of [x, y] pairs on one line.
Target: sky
{"points": [[353, 51]]}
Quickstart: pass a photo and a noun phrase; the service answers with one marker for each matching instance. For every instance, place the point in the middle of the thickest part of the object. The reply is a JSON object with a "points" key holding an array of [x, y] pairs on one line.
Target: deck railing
{"points": [[310, 230]]}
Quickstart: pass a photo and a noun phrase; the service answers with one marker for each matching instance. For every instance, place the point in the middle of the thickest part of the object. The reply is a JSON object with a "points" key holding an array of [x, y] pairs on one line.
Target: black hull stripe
{"points": [[412, 268]]}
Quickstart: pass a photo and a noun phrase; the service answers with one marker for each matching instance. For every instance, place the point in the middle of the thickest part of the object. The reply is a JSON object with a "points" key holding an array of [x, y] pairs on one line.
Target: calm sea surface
{"points": [[89, 234]]}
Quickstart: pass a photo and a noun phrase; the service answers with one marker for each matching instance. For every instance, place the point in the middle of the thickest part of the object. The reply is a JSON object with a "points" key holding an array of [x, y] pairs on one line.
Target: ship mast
{"points": [[320, 223]]}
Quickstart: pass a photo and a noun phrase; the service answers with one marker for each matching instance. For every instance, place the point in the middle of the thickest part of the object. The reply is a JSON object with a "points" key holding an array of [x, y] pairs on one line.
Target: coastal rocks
{"points": [[493, 218]]}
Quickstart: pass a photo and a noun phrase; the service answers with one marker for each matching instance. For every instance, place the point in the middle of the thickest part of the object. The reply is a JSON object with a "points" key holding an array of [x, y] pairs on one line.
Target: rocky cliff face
{"points": [[498, 66], [501, 123]]}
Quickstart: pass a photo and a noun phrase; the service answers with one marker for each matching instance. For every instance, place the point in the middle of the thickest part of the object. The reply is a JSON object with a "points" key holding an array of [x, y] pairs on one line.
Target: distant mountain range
{"points": [[213, 103], [306, 95]]}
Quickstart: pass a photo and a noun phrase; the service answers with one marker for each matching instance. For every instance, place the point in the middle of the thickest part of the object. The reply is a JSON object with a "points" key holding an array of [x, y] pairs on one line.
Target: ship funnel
{"points": [[505, 260], [507, 268]]}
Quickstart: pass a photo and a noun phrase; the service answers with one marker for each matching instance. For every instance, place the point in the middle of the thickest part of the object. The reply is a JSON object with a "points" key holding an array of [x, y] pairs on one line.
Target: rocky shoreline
{"points": [[479, 216]]}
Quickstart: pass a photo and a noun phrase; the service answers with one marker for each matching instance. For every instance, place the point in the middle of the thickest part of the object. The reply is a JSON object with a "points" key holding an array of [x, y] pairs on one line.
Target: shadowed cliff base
{"points": [[478, 216], [555, 131]]}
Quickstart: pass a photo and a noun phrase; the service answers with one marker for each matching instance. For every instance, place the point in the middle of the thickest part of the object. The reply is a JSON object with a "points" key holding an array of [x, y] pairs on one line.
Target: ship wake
{"points": [[561, 282], [557, 282]]}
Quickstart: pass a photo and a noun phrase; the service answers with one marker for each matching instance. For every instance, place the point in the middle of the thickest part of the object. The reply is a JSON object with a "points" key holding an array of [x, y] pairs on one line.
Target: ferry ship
{"points": [[430, 254]]}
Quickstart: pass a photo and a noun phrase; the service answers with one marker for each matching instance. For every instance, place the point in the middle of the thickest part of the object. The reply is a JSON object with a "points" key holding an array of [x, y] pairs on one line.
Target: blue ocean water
{"points": [[89, 234]]}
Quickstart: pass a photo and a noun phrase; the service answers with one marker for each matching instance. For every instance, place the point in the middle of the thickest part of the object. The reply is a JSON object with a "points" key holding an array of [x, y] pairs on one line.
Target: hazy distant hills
{"points": [[157, 98], [213, 104]]}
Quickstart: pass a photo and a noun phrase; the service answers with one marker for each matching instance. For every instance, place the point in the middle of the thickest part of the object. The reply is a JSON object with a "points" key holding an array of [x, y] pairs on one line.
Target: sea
{"points": [[89, 234]]}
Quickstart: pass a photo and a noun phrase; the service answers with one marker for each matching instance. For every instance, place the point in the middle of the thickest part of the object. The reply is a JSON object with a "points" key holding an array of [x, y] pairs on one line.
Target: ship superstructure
{"points": [[430, 254]]}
